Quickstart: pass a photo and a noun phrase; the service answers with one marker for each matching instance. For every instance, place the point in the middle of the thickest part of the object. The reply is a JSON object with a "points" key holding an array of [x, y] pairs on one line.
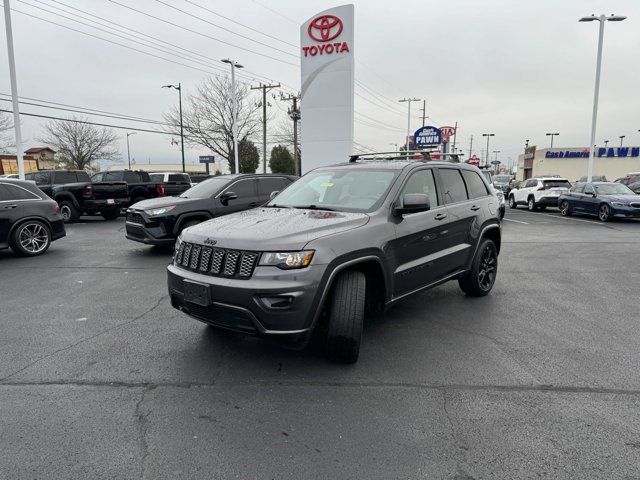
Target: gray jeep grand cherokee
{"points": [[349, 240]]}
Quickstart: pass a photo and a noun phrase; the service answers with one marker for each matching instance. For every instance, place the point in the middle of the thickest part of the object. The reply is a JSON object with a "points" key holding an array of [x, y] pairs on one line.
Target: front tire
{"points": [[565, 209], [346, 317], [531, 204], [479, 280], [68, 211], [604, 212], [512, 202], [30, 238]]}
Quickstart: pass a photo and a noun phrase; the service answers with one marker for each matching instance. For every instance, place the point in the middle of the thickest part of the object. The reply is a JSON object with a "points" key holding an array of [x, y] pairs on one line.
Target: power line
{"points": [[227, 30], [383, 107], [202, 34], [275, 11], [394, 127], [241, 24], [383, 99]]}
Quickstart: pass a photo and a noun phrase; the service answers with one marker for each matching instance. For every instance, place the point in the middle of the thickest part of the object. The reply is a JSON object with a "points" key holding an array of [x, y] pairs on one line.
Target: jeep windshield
{"points": [[339, 189], [206, 189]]}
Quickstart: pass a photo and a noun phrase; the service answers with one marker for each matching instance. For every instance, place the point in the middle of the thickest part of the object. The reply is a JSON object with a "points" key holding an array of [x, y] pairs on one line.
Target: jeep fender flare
{"points": [[62, 196], [187, 216]]}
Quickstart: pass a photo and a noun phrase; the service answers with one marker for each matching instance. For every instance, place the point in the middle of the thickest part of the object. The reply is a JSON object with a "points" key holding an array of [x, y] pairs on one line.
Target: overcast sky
{"points": [[518, 69]]}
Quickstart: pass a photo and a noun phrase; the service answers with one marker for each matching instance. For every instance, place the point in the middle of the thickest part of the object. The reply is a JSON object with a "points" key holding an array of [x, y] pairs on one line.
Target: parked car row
{"points": [[605, 200]]}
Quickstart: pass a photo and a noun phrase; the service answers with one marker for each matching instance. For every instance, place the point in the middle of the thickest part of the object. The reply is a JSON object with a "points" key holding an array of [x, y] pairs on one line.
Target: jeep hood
{"points": [[264, 229]]}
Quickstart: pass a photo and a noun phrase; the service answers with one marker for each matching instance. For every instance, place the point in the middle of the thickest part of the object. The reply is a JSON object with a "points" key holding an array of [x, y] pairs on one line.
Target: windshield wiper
{"points": [[314, 207]]}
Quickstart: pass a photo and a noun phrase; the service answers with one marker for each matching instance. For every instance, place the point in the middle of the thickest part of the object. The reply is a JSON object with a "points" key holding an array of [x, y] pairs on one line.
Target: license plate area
{"points": [[197, 293], [111, 201]]}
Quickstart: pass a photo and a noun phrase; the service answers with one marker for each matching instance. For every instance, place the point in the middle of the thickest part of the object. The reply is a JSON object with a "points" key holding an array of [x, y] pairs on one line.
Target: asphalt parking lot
{"points": [[101, 378]]}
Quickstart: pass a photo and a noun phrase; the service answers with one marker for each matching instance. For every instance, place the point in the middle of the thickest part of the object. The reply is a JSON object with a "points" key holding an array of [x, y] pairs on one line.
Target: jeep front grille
{"points": [[218, 262]]}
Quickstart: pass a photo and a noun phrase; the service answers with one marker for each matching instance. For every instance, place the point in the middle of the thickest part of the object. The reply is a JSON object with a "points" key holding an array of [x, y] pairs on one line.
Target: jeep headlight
{"points": [[159, 211], [287, 260], [176, 247]]}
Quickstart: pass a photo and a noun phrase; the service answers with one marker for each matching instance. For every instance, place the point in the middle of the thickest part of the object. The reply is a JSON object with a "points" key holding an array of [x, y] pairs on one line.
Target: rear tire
{"points": [[30, 238], [479, 280], [512, 202], [531, 204], [68, 211], [111, 214], [565, 209], [346, 317]]}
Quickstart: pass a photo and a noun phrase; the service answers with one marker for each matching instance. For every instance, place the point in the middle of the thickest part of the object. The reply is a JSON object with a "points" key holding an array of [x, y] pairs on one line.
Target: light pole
{"points": [[179, 88], [409, 100], [601, 19], [234, 109], [622, 137], [486, 158], [128, 154], [552, 135], [495, 166]]}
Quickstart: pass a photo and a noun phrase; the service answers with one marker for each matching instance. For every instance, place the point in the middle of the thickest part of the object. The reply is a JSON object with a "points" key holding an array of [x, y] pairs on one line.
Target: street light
{"points": [[128, 154], [601, 19], [234, 105], [552, 135], [622, 137], [408, 100], [488, 135], [495, 167], [179, 88]]}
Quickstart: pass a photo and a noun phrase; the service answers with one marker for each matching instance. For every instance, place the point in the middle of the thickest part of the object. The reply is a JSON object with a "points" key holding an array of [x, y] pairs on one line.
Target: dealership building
{"points": [[572, 163]]}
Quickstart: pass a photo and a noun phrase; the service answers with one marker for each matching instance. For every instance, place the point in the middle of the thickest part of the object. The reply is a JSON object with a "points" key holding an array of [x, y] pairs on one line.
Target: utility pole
{"points": [[179, 89], [234, 108], [622, 137], [470, 146], [128, 154], [455, 134], [488, 135], [294, 114], [408, 100], [424, 111], [264, 89], [14, 89]]}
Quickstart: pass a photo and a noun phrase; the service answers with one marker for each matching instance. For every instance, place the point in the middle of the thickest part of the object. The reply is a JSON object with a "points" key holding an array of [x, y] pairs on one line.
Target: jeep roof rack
{"points": [[404, 155]]}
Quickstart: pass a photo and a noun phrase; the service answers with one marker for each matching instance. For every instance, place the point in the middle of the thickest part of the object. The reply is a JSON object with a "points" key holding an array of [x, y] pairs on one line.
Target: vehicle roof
{"points": [[598, 183], [398, 164], [549, 178]]}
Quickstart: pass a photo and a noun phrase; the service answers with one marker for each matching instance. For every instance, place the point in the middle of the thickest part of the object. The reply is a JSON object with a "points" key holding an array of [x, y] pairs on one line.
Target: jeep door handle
{"points": [[440, 216], [475, 207]]}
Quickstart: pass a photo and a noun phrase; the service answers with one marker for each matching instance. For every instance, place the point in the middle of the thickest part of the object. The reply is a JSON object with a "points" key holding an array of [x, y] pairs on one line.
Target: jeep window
{"points": [[65, 177], [475, 186], [206, 189], [132, 177], [41, 178], [422, 181], [267, 185], [453, 189], [111, 177], [349, 190]]}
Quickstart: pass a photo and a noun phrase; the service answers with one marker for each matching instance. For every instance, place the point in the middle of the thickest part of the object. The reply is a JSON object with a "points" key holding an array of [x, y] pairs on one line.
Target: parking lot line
{"points": [[516, 221], [591, 222]]}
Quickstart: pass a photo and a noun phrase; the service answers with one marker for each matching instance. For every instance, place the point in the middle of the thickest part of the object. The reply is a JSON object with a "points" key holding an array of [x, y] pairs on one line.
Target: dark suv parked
{"points": [[29, 220], [348, 240], [159, 221]]}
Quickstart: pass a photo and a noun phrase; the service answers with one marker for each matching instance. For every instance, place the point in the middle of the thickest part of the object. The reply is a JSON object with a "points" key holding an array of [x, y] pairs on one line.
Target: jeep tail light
{"points": [[88, 191], [160, 189]]}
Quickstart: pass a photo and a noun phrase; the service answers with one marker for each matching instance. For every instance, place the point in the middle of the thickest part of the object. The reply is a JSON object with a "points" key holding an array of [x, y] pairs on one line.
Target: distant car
{"points": [[594, 178], [29, 220], [538, 193], [635, 187], [629, 179], [502, 182], [10, 175], [159, 221], [173, 183], [139, 183], [486, 173], [604, 199]]}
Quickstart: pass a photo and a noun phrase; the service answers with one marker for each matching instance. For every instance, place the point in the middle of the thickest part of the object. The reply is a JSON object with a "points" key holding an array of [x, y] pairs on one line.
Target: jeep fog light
{"points": [[287, 260]]}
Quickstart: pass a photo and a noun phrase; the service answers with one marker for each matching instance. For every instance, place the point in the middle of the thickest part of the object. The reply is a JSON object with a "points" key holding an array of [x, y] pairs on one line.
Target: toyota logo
{"points": [[324, 28]]}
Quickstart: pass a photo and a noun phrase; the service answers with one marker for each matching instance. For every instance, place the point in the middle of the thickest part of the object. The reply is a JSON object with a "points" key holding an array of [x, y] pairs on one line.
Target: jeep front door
{"points": [[420, 237]]}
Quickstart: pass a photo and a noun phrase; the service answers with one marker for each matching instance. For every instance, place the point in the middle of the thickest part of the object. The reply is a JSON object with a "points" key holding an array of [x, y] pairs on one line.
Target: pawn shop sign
{"points": [[447, 132]]}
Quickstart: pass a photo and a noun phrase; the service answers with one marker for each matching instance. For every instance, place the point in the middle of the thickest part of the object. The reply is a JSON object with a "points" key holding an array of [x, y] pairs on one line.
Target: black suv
{"points": [[348, 240], [159, 221], [29, 220]]}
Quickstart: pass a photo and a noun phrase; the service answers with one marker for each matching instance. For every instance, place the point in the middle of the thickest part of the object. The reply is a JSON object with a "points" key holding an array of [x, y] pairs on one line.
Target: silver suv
{"points": [[349, 240]]}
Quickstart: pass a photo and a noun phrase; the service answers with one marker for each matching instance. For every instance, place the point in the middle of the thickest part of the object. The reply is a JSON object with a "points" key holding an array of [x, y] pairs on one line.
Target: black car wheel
{"points": [[565, 209], [604, 212], [31, 238], [346, 317], [531, 204], [68, 211], [479, 280], [512, 202]]}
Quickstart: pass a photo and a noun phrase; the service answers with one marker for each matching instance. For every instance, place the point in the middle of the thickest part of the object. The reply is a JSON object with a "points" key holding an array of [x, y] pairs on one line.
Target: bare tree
{"points": [[80, 144], [208, 117], [6, 134]]}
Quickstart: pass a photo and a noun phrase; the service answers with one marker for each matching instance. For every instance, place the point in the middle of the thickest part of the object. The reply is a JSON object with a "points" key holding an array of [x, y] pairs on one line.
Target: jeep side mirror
{"points": [[226, 196], [413, 203], [273, 194]]}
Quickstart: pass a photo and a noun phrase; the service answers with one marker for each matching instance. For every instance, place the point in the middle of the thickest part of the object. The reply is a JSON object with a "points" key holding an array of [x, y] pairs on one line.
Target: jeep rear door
{"points": [[419, 249]]}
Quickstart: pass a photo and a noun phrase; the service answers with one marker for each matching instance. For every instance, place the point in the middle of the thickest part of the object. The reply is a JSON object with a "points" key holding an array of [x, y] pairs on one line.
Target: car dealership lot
{"points": [[100, 377]]}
